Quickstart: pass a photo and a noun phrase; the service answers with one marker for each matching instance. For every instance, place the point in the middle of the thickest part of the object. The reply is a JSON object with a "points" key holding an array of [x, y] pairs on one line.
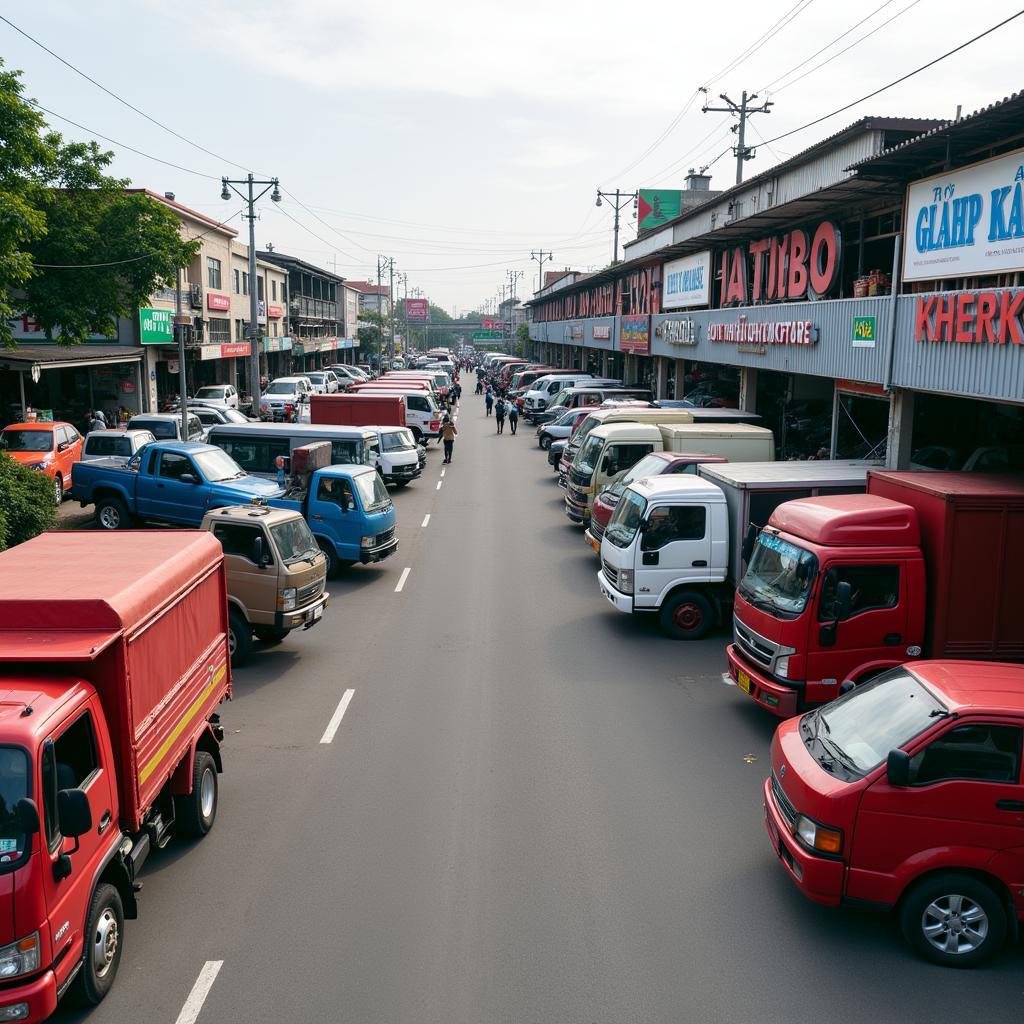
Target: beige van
{"points": [[276, 574]]}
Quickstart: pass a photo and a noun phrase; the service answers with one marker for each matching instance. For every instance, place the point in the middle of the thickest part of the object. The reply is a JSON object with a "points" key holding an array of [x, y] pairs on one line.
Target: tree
{"points": [[371, 333], [27, 507], [81, 249]]}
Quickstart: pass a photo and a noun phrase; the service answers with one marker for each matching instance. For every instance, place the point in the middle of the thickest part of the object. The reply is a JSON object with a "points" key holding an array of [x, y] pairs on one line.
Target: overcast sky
{"points": [[456, 136]]}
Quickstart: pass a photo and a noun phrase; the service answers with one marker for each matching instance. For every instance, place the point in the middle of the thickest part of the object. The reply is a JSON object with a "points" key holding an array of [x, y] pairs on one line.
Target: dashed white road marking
{"points": [[439, 482], [401, 579], [426, 519], [200, 990], [443, 471], [339, 714]]}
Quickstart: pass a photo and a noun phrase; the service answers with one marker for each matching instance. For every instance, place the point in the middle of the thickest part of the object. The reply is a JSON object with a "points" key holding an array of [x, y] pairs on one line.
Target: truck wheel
{"points": [[111, 514], [271, 634], [104, 937], [544, 442], [239, 638], [417, 434], [197, 811], [58, 489], [686, 615], [332, 558], [953, 920], [402, 483]]}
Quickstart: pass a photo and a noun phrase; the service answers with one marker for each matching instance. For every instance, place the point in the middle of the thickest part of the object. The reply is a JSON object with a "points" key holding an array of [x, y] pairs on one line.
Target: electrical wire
{"points": [[897, 81]]}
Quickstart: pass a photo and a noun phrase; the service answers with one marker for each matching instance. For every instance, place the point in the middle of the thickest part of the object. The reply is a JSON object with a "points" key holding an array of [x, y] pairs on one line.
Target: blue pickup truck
{"points": [[166, 482]]}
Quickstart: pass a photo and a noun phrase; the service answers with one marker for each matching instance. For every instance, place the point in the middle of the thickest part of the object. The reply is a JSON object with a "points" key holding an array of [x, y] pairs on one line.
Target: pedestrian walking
{"points": [[513, 416], [499, 415], [489, 401], [96, 420], [479, 386], [448, 434], [458, 392]]}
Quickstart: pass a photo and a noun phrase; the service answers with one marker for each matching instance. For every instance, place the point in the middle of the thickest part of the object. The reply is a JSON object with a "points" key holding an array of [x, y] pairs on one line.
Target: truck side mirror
{"points": [[897, 768], [844, 598], [74, 814], [258, 555], [749, 540], [26, 814], [188, 478]]}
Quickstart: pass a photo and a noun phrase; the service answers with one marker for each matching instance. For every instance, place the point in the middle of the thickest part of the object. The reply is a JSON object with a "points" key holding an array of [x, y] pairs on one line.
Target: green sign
{"points": [[865, 331], [155, 327], [657, 206], [488, 335]]}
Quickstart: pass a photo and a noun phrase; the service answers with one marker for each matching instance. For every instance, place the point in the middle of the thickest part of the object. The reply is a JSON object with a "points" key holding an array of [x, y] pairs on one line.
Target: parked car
{"points": [[559, 429], [211, 415], [166, 426], [51, 448], [217, 394], [284, 394], [325, 382], [116, 445]]}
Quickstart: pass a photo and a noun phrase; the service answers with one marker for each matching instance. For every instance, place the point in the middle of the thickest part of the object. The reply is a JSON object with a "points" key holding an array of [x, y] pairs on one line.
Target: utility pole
{"points": [[384, 263], [742, 110], [179, 334], [513, 277], [541, 257], [229, 186], [618, 199]]}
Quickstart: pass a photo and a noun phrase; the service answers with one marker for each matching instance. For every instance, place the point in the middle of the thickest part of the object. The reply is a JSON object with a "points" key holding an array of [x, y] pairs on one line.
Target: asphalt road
{"points": [[534, 810]]}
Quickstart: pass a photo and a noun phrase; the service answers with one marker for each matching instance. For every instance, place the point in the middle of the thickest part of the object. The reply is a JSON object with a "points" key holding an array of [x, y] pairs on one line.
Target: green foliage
{"points": [[59, 210], [27, 507], [523, 332]]}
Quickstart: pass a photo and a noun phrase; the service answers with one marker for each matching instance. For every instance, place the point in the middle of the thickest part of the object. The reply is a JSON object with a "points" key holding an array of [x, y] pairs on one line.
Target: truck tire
{"points": [[104, 940], [271, 634], [332, 559], [58, 490], [545, 442], [112, 514], [402, 483], [417, 434], [197, 811], [954, 920], [687, 615], [239, 638]]}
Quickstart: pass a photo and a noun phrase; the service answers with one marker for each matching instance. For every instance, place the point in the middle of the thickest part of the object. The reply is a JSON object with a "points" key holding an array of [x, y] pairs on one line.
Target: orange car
{"points": [[53, 448]]}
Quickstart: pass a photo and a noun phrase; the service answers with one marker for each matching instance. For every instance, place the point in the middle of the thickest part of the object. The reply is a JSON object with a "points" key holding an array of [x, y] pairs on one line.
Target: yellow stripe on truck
{"points": [[154, 762]]}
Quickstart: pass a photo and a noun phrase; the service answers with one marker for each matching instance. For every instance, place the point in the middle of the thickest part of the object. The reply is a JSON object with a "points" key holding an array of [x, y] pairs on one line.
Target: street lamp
{"points": [[618, 199]]}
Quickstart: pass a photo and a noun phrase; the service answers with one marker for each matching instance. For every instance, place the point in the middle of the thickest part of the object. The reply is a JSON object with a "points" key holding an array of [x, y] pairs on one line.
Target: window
{"points": [[195, 428], [667, 524], [245, 283], [978, 753], [273, 290], [237, 282], [259, 288], [417, 404], [75, 752], [874, 586], [622, 456], [212, 272], [256, 454], [218, 330], [338, 492], [237, 539], [173, 465], [345, 451]]}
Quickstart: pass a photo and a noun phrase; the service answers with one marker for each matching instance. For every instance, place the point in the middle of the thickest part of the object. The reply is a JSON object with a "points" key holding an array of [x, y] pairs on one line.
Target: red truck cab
{"points": [[906, 793], [112, 664]]}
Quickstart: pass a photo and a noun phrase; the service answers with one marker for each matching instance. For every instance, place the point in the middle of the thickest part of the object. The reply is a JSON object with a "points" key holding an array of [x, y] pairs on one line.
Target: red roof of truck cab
{"points": [[88, 586], [988, 686], [838, 520]]}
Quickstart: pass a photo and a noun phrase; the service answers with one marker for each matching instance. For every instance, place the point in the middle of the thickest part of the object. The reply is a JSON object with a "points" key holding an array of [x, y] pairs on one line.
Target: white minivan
{"points": [[543, 390]]}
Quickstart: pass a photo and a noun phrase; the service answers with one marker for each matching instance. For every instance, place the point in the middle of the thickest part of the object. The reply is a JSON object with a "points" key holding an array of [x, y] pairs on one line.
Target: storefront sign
{"points": [[598, 300], [657, 206], [27, 330], [742, 332], [128, 387], [156, 327], [173, 366], [864, 331], [967, 222], [228, 351], [417, 309], [636, 291], [275, 312], [686, 282], [635, 334], [277, 344], [215, 301], [861, 387], [677, 332], [602, 333], [971, 318], [576, 332], [783, 268]]}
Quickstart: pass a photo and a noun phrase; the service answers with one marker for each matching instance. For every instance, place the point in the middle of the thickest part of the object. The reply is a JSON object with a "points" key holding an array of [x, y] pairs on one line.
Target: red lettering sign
{"points": [[215, 301], [275, 311], [971, 318]]}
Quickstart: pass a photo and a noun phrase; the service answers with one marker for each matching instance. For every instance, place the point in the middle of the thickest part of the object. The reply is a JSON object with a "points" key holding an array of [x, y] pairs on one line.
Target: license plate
{"points": [[744, 682], [315, 614]]}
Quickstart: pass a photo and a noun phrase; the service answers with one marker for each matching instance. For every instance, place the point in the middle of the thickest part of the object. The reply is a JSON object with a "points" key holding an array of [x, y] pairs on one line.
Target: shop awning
{"points": [[61, 357]]}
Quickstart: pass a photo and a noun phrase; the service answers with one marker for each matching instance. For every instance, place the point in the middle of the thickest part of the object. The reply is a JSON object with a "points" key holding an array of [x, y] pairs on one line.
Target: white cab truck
{"points": [[613, 447], [398, 458], [675, 544]]}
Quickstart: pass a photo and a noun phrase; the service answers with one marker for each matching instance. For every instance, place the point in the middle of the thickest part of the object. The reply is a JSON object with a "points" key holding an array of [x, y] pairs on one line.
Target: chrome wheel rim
{"points": [[104, 943], [232, 642], [58, 490], [207, 791], [110, 519], [955, 924]]}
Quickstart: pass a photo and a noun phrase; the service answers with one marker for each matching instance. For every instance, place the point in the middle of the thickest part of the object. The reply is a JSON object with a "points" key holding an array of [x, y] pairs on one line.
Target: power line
{"points": [[897, 81]]}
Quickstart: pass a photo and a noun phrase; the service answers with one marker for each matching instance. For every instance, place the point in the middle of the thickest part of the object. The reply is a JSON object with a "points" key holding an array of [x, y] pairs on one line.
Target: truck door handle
{"points": [[315, 516], [700, 563], [104, 823], [1010, 805], [892, 639]]}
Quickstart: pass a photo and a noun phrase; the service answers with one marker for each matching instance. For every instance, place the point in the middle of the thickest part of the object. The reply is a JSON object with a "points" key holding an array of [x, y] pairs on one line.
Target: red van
{"points": [[906, 794]]}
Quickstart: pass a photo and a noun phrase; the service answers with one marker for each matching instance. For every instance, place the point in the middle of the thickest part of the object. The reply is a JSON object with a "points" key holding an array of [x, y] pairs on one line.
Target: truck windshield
{"points": [[27, 440], [281, 387], [13, 787], [583, 429], [586, 459], [295, 542], [397, 441], [649, 465], [862, 726], [372, 492], [779, 576], [626, 519], [217, 466]]}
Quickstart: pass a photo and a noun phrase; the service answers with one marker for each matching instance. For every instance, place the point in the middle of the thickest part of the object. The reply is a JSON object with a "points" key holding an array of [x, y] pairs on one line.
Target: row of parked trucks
{"points": [[878, 615]]}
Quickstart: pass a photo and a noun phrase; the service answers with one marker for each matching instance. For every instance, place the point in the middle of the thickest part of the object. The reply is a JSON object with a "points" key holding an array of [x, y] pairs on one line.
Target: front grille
{"points": [[403, 470], [753, 645], [578, 478], [576, 497], [786, 808], [384, 538], [596, 529], [310, 593], [611, 574]]}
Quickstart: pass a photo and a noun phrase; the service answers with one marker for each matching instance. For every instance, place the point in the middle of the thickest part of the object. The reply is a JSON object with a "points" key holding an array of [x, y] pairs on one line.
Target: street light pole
{"points": [[250, 183], [619, 200], [541, 257]]}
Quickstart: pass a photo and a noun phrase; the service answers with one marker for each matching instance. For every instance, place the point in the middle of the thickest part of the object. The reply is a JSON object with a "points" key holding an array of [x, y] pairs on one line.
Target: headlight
{"points": [[626, 581], [782, 667], [366, 542], [286, 600], [15, 1011], [21, 957], [818, 837]]}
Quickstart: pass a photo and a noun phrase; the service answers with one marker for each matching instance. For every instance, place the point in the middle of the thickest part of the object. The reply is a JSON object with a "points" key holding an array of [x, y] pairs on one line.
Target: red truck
{"points": [[838, 589], [358, 410], [906, 794], [113, 661]]}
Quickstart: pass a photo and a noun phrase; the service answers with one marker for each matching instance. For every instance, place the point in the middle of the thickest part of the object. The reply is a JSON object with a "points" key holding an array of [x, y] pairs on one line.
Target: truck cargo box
{"points": [[972, 535], [358, 410], [143, 617]]}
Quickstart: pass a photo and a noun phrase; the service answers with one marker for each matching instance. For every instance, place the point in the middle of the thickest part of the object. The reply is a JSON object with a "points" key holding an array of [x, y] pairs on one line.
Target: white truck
{"points": [[675, 545]]}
